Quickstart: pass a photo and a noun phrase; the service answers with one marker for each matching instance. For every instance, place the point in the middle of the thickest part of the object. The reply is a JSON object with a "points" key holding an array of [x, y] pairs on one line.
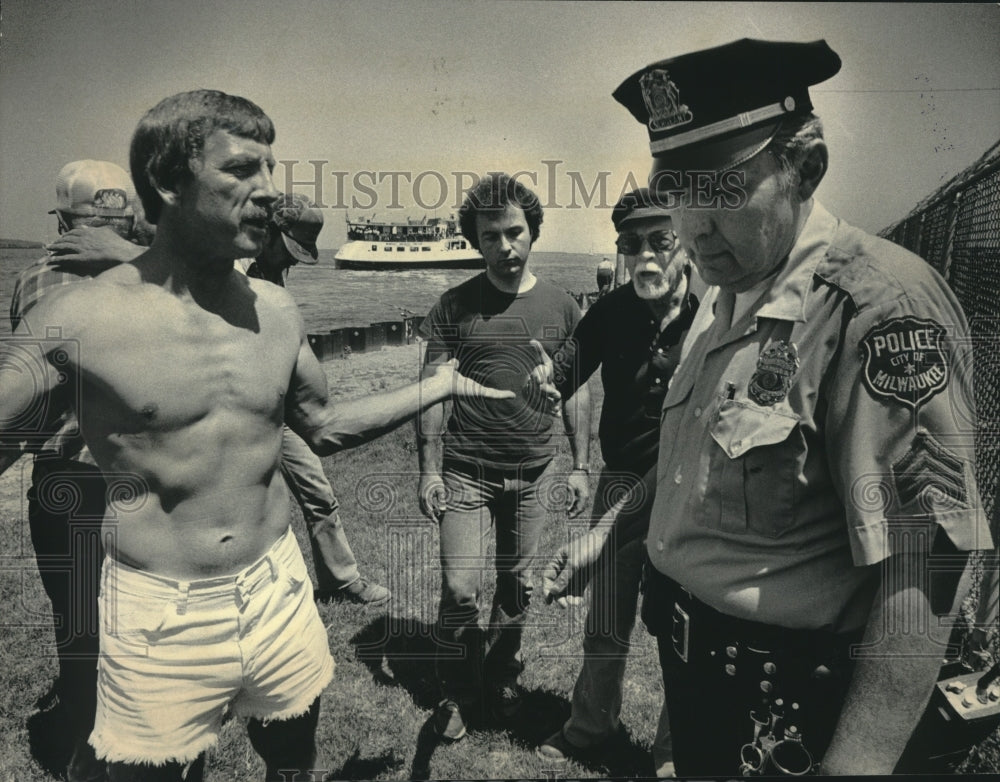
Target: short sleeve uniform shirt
{"points": [[828, 427]]}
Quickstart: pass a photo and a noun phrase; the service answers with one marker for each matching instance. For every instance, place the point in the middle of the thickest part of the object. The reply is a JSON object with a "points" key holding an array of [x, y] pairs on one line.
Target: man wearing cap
{"points": [[634, 335], [815, 497], [89, 193], [66, 536], [185, 373], [291, 238]]}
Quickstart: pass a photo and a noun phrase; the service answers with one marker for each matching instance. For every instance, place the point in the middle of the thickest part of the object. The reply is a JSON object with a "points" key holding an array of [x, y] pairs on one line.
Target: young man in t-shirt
{"points": [[490, 465]]}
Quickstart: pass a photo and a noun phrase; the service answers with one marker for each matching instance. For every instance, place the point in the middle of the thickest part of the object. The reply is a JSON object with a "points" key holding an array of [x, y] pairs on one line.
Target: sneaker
{"points": [[448, 722], [362, 592], [507, 700]]}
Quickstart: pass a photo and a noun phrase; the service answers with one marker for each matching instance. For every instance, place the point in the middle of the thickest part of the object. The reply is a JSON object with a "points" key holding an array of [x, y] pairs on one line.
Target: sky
{"points": [[400, 103]]}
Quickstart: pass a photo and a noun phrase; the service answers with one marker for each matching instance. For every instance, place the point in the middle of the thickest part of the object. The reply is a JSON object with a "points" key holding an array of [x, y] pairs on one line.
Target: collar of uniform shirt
{"points": [[786, 299]]}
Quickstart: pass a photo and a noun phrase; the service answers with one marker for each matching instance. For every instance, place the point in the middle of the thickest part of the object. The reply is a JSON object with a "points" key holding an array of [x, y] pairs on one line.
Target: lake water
{"points": [[334, 298]]}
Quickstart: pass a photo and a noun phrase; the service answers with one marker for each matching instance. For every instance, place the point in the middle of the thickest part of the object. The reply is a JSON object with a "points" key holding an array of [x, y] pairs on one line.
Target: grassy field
{"points": [[374, 720]]}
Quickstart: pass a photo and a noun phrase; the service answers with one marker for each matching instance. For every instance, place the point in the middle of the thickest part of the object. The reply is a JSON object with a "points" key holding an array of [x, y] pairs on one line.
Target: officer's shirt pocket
{"points": [[752, 472]]}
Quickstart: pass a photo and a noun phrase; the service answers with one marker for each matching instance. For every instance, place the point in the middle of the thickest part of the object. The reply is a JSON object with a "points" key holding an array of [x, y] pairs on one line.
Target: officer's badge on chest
{"points": [[776, 368]]}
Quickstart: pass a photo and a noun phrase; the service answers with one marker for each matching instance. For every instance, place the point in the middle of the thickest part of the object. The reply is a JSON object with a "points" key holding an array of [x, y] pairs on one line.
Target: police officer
{"points": [[816, 453]]}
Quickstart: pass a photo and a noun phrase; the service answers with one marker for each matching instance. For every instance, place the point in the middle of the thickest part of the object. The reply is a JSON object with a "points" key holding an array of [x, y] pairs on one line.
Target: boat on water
{"points": [[430, 243]]}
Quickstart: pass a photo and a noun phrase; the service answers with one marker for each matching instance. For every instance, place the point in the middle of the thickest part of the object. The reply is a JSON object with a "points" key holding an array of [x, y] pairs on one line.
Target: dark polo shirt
{"points": [[620, 334]]}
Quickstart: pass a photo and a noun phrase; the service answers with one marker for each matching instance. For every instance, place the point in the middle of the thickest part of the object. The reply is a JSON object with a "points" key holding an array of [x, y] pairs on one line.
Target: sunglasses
{"points": [[659, 242]]}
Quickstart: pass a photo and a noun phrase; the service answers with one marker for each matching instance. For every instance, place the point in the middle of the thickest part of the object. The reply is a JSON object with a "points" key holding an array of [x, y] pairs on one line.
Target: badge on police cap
{"points": [[663, 101], [735, 98], [776, 368], [904, 360]]}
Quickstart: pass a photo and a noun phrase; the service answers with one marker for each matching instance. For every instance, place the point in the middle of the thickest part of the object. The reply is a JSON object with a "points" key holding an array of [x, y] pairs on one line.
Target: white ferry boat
{"points": [[429, 242]]}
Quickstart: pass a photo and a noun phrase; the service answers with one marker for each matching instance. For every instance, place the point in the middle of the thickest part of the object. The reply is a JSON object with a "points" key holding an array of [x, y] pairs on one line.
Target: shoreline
{"points": [[372, 371]]}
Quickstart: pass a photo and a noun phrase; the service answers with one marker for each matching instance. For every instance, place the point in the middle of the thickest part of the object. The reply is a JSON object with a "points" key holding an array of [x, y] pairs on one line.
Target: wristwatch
{"points": [[582, 466]]}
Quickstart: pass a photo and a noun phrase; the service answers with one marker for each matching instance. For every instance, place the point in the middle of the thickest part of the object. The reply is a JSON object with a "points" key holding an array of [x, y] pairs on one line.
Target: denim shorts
{"points": [[175, 655]]}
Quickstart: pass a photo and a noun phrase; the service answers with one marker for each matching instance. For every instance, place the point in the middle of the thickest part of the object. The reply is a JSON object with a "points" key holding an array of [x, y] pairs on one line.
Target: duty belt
{"points": [[700, 634], [790, 682]]}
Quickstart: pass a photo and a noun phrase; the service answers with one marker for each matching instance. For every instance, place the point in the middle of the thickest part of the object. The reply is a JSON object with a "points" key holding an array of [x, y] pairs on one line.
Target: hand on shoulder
{"points": [[89, 245]]}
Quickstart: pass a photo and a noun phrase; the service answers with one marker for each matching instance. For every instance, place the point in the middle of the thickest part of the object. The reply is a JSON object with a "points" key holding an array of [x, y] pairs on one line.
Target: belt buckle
{"points": [[680, 634]]}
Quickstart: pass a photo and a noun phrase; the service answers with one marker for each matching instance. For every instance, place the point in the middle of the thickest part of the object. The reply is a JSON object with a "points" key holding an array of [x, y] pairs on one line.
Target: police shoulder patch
{"points": [[904, 360]]}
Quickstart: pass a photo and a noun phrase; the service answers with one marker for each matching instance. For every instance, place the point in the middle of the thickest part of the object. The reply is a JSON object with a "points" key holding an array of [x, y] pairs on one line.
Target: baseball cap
{"points": [[714, 109], [299, 221], [635, 205], [93, 187]]}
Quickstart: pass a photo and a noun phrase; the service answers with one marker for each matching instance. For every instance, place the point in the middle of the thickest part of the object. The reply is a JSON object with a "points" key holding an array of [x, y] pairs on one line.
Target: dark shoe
{"points": [[507, 700], [448, 722], [84, 765], [556, 750], [362, 592], [50, 699]]}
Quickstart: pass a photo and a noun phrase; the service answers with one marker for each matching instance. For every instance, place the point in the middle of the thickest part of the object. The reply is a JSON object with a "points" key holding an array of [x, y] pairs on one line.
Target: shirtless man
{"points": [[183, 372]]}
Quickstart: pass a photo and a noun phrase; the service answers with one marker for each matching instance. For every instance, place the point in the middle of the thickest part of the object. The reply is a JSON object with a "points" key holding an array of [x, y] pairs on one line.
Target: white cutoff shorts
{"points": [[176, 654]]}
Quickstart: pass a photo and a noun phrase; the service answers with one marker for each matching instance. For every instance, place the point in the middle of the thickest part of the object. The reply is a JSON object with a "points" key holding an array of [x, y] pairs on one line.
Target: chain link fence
{"points": [[956, 229]]}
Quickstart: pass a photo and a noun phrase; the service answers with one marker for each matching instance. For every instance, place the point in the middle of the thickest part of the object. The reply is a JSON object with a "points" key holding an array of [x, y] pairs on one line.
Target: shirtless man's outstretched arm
{"points": [[329, 427], [183, 372]]}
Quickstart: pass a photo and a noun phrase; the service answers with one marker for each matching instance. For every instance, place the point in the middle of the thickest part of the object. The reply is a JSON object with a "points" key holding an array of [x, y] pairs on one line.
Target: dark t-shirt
{"points": [[621, 335], [488, 330]]}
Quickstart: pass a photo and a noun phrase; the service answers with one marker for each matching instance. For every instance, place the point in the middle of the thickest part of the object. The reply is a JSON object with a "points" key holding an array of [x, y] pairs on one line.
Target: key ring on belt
{"points": [[789, 757], [768, 754]]}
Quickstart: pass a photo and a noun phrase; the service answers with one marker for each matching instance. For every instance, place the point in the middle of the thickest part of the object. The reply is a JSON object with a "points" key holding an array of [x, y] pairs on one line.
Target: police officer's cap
{"points": [[714, 109]]}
